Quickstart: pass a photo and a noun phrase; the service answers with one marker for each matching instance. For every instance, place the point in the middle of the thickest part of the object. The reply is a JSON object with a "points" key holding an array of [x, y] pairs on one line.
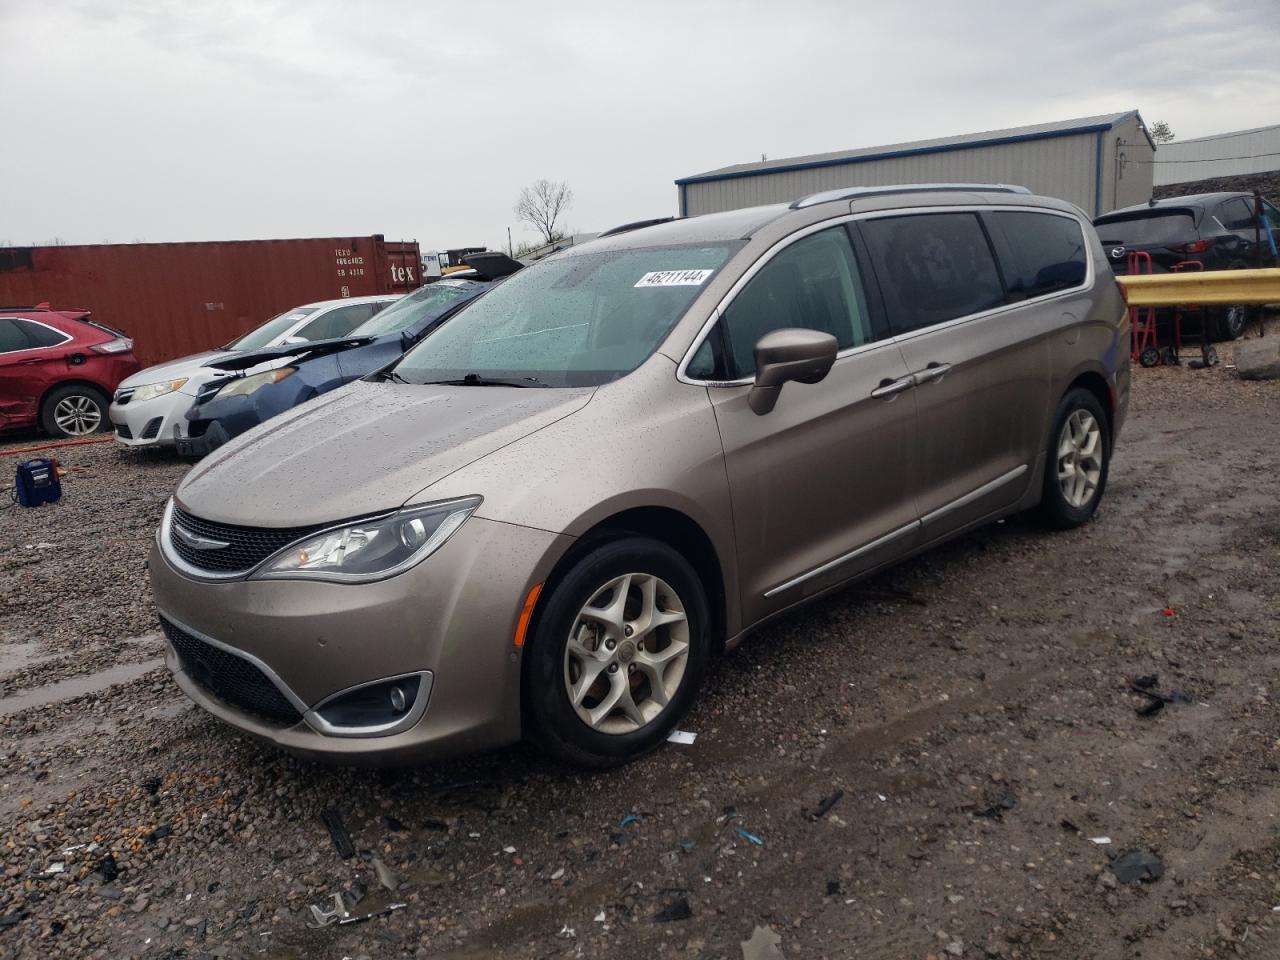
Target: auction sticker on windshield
{"points": [[674, 278]]}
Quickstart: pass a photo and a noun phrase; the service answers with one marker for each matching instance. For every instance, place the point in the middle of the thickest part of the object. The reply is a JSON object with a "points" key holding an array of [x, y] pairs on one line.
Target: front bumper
{"points": [[452, 617], [148, 423]]}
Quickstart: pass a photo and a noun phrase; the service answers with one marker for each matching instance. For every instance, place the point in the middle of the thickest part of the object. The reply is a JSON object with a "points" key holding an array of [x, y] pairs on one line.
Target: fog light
{"points": [[373, 709]]}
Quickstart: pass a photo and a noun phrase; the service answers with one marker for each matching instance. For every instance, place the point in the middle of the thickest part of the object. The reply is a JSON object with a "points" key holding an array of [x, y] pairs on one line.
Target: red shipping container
{"points": [[179, 298]]}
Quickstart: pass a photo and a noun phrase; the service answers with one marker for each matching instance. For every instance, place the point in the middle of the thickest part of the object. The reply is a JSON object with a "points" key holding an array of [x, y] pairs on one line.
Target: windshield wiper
{"points": [[475, 380], [392, 375]]}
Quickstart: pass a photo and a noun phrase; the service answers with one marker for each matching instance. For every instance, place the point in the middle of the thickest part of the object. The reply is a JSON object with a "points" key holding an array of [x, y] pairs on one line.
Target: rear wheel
{"points": [[1077, 461], [1229, 322], [74, 410], [618, 654]]}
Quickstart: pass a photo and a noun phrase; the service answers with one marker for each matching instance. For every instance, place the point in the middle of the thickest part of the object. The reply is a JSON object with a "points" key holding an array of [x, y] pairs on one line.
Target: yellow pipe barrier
{"points": [[1202, 287]]}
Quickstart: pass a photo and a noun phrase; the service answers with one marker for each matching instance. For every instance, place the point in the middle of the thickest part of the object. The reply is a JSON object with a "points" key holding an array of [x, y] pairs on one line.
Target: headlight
{"points": [[150, 391], [247, 385], [371, 549]]}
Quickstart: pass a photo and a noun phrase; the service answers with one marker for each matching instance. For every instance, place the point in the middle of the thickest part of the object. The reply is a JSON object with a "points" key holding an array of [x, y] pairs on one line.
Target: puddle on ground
{"points": [[76, 686]]}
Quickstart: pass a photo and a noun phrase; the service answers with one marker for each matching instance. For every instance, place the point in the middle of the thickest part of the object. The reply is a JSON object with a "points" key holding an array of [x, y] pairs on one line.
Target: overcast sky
{"points": [[151, 120]]}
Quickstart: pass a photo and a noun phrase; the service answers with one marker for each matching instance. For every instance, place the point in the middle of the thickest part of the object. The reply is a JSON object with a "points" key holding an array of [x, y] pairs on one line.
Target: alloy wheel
{"points": [[626, 654], [1079, 458], [77, 415]]}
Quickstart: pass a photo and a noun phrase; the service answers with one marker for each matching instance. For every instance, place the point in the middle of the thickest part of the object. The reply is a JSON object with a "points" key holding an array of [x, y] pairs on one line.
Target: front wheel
{"points": [[1077, 461], [618, 653]]}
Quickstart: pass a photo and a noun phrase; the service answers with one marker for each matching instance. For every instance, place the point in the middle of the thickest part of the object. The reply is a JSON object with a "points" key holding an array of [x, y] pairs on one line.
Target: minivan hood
{"points": [[363, 448], [172, 369]]}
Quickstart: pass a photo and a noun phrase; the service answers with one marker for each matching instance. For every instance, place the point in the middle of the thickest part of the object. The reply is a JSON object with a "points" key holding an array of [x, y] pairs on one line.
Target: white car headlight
{"points": [[149, 391], [372, 549], [246, 385]]}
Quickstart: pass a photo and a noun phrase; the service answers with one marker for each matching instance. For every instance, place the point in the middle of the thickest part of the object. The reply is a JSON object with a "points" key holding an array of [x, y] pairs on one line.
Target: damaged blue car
{"points": [[265, 383]]}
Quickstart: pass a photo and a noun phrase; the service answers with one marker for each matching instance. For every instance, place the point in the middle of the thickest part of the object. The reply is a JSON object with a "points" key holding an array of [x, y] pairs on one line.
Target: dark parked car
{"points": [[227, 407], [1219, 230], [58, 368]]}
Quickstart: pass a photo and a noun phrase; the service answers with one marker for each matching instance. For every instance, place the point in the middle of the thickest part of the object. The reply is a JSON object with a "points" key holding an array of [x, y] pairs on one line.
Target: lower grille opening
{"points": [[230, 678], [123, 431], [152, 429]]}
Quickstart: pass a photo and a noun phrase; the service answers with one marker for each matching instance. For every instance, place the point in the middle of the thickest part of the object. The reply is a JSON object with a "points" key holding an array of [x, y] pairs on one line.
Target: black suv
{"points": [[1219, 230]]}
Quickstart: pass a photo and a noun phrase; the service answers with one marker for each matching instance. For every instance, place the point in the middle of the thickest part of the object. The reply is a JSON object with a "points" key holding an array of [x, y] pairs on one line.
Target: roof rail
{"points": [[637, 225], [853, 193]]}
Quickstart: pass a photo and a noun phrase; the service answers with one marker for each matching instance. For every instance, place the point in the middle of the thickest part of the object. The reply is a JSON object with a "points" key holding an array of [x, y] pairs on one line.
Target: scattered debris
{"points": [[833, 888], [57, 867], [567, 932], [748, 835], [385, 875], [356, 892], [1101, 841], [159, 833], [1068, 825], [629, 819], [106, 868], [763, 945], [1169, 612], [677, 909], [1137, 866], [996, 810], [688, 846], [558, 874], [825, 804], [338, 831], [683, 737], [340, 915], [508, 849], [151, 785], [1146, 686], [598, 918], [393, 824]]}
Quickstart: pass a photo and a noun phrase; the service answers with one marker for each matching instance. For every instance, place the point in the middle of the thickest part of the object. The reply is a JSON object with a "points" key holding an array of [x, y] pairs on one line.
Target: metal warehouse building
{"points": [[1223, 155], [1097, 163]]}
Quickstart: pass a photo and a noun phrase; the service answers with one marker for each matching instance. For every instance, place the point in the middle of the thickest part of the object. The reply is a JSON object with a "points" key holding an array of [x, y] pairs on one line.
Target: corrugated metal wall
{"points": [[179, 298], [1224, 155], [1127, 167], [1063, 167]]}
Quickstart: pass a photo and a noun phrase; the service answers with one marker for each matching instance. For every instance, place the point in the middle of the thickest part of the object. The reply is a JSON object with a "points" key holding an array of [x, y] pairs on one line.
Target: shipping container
{"points": [[179, 298]]}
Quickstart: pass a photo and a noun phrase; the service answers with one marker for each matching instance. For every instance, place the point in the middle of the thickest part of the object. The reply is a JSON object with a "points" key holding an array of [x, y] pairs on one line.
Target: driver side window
{"points": [[814, 283]]}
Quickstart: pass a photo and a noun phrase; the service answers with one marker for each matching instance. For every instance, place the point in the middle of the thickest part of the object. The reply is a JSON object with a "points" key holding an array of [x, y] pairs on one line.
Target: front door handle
{"points": [[889, 389], [934, 371]]}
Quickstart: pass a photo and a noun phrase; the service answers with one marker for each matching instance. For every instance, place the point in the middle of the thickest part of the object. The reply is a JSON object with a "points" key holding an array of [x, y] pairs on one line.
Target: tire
{"points": [[569, 649], [74, 410], [1229, 323], [1070, 499]]}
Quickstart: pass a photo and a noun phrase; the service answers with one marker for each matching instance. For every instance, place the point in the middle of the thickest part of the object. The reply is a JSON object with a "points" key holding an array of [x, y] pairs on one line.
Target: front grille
{"points": [[152, 428], [123, 431], [246, 547], [230, 678], [124, 395]]}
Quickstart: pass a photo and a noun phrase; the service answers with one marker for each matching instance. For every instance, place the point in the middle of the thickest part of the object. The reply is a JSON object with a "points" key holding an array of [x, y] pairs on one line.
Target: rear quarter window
{"points": [[1043, 254], [932, 267], [38, 335]]}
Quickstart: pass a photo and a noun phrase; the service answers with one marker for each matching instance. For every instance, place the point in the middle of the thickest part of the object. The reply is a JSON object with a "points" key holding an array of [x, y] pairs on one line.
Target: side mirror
{"points": [[290, 341], [804, 356]]}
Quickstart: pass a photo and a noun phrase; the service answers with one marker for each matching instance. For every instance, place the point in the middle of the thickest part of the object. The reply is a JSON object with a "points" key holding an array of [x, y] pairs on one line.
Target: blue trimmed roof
{"points": [[990, 138]]}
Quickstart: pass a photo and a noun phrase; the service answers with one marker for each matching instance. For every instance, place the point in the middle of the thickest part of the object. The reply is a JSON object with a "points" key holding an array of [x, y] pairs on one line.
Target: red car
{"points": [[58, 369]]}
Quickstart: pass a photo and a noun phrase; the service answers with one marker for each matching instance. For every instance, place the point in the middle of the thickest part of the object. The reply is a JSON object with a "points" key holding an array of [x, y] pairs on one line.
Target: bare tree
{"points": [[541, 205], [1160, 132]]}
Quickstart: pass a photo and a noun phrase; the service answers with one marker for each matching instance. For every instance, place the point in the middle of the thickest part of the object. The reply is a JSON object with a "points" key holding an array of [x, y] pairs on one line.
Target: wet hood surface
{"points": [[361, 449]]}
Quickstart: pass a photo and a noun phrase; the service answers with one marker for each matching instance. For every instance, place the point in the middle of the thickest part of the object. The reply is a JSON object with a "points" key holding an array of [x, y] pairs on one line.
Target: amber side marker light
{"points": [[526, 614]]}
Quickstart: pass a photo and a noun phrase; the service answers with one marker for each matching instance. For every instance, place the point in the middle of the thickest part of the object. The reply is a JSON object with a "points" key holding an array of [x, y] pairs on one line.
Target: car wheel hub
{"points": [[626, 654], [77, 415], [1079, 458]]}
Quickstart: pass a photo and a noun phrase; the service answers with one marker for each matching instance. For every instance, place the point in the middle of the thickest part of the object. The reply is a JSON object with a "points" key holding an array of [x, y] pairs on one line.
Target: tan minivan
{"points": [[547, 517]]}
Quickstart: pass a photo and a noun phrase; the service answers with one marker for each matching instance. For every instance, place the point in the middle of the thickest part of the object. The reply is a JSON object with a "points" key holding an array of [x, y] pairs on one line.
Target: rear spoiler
{"points": [[314, 348]]}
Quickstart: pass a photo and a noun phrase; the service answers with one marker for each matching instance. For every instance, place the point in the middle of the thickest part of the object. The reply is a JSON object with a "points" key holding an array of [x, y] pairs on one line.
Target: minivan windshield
{"points": [[423, 304], [578, 319], [1148, 229], [261, 336]]}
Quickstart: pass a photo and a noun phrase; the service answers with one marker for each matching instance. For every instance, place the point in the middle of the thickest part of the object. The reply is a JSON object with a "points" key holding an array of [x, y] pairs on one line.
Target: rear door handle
{"points": [[889, 389], [934, 371]]}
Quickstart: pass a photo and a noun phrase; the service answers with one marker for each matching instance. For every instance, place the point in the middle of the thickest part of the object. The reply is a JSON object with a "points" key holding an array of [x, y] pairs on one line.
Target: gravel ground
{"points": [[973, 705]]}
